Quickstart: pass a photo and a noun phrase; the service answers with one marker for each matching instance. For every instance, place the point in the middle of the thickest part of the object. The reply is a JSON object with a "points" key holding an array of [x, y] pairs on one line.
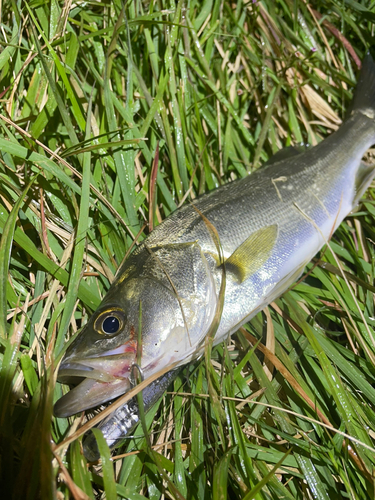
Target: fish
{"points": [[245, 242], [119, 424]]}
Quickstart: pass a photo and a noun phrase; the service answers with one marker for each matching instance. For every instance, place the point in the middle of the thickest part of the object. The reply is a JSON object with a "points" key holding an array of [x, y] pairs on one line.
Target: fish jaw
{"points": [[100, 380]]}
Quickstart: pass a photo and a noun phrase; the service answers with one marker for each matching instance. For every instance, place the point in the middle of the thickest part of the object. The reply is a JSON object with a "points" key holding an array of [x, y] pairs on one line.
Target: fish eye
{"points": [[111, 325], [109, 322]]}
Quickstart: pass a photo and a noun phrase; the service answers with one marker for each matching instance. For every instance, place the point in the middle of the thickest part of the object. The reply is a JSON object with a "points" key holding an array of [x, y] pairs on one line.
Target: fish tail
{"points": [[364, 102], [364, 95]]}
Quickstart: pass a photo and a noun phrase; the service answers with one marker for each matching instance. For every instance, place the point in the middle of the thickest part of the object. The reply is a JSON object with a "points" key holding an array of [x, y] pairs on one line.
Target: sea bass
{"points": [[267, 227]]}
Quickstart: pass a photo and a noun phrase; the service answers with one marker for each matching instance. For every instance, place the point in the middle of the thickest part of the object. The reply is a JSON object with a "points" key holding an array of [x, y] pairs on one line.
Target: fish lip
{"points": [[93, 388], [89, 393], [69, 372], [96, 380], [105, 367]]}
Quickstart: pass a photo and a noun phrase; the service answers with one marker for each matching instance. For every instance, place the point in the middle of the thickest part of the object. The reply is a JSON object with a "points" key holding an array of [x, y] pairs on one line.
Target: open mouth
{"points": [[69, 372], [95, 381]]}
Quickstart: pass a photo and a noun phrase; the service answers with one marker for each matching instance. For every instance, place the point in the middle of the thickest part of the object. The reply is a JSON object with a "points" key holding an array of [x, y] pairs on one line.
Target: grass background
{"points": [[113, 114]]}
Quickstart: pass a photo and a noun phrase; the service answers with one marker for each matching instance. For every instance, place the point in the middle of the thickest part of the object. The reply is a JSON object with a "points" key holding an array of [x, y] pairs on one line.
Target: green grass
{"points": [[87, 96]]}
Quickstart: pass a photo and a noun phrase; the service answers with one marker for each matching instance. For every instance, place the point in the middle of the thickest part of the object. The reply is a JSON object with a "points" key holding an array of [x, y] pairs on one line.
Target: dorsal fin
{"points": [[249, 257], [363, 178], [284, 154]]}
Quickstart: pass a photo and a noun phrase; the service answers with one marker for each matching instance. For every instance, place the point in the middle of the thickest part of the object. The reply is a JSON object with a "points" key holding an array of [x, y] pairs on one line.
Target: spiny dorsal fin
{"points": [[284, 154], [248, 258]]}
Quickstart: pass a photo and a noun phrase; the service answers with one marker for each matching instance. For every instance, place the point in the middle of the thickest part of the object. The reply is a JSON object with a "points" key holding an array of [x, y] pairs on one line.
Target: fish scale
{"points": [[268, 225]]}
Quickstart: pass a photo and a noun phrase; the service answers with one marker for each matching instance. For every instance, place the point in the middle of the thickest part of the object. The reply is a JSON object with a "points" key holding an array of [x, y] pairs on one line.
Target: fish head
{"points": [[153, 316], [98, 363]]}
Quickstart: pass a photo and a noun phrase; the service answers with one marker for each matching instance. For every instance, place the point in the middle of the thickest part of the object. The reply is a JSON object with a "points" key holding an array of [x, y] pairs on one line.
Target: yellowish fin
{"points": [[250, 256]]}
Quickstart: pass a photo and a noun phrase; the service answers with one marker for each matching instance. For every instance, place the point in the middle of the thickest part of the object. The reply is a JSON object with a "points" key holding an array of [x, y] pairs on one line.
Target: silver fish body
{"points": [[269, 224]]}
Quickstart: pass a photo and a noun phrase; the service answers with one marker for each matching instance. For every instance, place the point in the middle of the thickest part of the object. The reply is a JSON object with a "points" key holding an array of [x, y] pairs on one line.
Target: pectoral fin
{"points": [[249, 257]]}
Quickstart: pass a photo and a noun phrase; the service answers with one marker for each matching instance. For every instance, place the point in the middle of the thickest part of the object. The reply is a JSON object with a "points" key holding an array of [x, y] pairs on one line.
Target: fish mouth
{"points": [[95, 380]]}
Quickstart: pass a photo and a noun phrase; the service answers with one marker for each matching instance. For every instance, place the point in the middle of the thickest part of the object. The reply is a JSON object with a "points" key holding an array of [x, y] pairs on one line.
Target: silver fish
{"points": [[120, 423], [270, 224]]}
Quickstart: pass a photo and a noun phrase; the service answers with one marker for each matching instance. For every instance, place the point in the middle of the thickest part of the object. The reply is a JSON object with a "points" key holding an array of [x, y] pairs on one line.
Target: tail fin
{"points": [[364, 95]]}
